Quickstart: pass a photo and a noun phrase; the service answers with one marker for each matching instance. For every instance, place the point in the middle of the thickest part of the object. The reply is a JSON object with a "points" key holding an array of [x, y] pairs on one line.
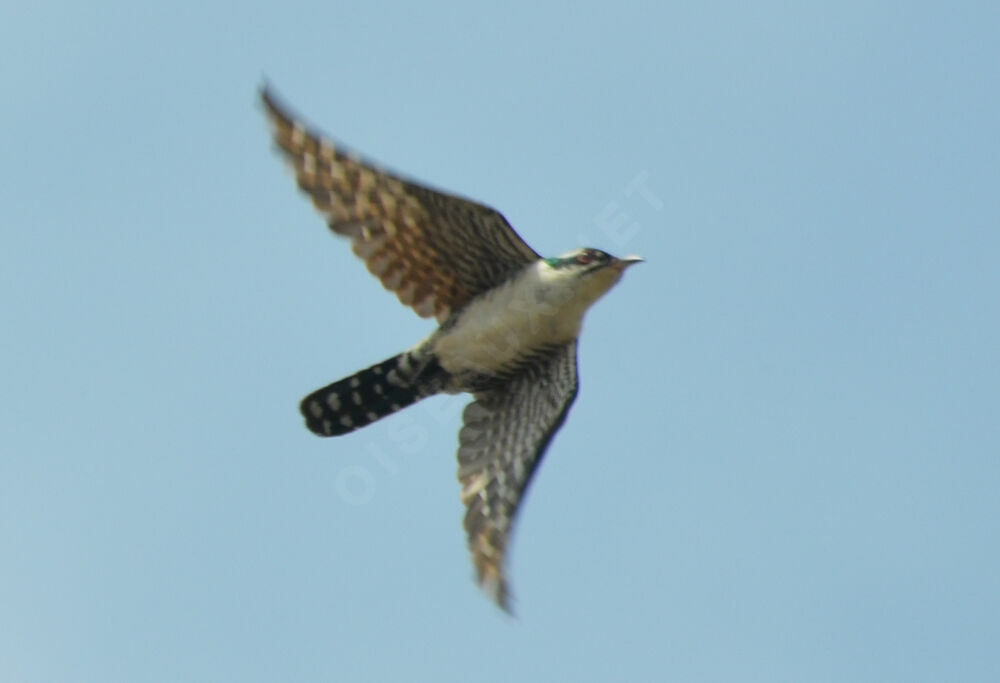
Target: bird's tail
{"points": [[371, 394]]}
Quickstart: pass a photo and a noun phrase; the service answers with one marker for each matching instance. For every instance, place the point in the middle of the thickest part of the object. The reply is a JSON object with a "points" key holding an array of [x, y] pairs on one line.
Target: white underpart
{"points": [[544, 306]]}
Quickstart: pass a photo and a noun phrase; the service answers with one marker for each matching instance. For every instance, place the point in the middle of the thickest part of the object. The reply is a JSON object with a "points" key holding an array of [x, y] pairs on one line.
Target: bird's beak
{"points": [[623, 263]]}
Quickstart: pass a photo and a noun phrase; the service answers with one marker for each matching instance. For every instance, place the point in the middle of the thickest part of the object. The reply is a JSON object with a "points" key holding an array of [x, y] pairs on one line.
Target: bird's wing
{"points": [[434, 250], [504, 434]]}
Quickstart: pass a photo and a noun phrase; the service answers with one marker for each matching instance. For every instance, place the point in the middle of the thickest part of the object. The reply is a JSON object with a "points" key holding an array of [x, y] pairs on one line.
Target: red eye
{"points": [[584, 259]]}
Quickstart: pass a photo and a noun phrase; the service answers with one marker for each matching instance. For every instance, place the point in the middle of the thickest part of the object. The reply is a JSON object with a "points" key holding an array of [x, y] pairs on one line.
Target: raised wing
{"points": [[434, 250], [505, 432]]}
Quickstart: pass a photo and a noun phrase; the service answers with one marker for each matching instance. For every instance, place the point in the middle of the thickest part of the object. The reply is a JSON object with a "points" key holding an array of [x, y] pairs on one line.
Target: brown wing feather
{"points": [[434, 250], [504, 435]]}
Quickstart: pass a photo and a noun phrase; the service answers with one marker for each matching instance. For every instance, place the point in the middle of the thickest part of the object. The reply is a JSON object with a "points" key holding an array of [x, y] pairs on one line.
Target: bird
{"points": [[508, 323]]}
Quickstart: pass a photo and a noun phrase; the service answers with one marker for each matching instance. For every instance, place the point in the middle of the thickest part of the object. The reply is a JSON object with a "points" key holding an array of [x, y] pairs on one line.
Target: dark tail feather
{"points": [[367, 396]]}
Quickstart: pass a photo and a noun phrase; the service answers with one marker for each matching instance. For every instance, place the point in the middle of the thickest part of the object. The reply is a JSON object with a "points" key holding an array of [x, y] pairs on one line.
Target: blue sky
{"points": [[783, 462]]}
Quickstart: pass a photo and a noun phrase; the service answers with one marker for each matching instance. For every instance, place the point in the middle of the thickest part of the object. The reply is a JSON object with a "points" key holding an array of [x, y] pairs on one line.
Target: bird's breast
{"points": [[504, 325]]}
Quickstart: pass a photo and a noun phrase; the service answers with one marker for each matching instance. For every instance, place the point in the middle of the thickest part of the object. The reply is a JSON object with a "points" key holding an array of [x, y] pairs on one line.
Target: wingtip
{"points": [[269, 98], [492, 581], [495, 587]]}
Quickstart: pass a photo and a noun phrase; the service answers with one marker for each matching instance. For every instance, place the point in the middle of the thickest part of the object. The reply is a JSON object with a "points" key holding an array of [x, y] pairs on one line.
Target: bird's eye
{"points": [[584, 259]]}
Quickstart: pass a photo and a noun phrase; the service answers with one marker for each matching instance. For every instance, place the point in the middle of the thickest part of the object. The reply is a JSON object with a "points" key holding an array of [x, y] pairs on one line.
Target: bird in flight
{"points": [[508, 325]]}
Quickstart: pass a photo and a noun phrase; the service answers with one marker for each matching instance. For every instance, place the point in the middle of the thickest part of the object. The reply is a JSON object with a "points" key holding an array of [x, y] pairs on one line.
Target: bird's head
{"points": [[589, 262], [596, 271]]}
